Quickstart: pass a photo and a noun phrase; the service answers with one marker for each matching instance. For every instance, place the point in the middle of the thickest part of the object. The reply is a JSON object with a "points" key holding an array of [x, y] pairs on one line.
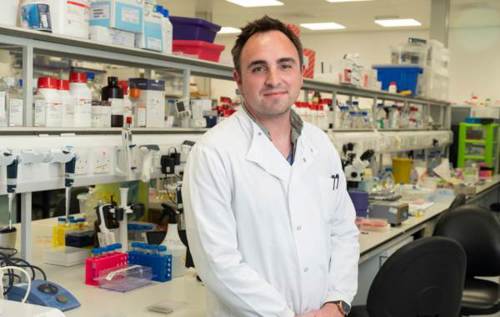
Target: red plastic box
{"points": [[201, 49]]}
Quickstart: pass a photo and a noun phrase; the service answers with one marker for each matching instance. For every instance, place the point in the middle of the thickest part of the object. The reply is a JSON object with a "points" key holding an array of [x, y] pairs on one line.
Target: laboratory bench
{"points": [[187, 290]]}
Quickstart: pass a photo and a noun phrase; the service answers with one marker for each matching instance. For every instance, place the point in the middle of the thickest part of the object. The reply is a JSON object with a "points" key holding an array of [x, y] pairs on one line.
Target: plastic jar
{"points": [[36, 15], [48, 106], [68, 104], [80, 91]]}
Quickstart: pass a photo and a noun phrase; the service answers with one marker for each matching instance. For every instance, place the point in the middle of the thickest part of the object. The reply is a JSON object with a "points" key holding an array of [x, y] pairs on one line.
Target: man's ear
{"points": [[237, 77]]}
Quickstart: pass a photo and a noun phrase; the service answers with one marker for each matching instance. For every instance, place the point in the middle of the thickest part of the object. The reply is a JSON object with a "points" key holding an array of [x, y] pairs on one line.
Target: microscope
{"points": [[354, 165]]}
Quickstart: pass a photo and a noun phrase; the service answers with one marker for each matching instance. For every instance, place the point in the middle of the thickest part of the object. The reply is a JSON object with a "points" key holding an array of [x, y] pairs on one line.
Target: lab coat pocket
{"points": [[327, 196]]}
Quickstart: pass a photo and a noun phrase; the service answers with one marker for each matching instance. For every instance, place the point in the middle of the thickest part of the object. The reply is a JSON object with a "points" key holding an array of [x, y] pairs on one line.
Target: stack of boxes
{"points": [[433, 58], [194, 38], [116, 22], [129, 23]]}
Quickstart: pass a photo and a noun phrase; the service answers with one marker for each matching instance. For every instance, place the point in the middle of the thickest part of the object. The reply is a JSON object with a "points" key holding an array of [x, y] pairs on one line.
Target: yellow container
{"points": [[401, 170]]}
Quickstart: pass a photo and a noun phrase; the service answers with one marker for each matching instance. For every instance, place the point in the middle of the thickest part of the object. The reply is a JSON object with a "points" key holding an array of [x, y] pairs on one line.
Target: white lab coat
{"points": [[268, 238]]}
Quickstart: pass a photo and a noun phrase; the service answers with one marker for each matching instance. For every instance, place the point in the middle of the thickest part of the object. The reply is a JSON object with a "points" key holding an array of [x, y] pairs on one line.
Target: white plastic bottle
{"points": [[15, 104], [48, 105], [68, 102], [80, 91], [3, 106], [70, 18], [167, 31]]}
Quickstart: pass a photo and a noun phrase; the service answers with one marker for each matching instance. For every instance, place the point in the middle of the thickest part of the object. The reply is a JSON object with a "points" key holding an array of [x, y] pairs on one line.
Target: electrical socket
{"points": [[102, 161]]}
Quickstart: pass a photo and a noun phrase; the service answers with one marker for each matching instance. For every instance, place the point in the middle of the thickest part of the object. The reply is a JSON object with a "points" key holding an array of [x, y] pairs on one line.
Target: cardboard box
{"points": [[153, 96], [151, 37], [125, 15], [112, 36]]}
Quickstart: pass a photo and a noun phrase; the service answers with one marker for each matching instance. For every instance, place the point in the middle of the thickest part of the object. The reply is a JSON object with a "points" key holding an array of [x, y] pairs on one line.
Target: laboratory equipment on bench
{"points": [[360, 202], [121, 215], [154, 256], [186, 148], [125, 279], [126, 163], [8, 233], [172, 240], [112, 221], [170, 161], [395, 212], [106, 225], [354, 165], [68, 157], [44, 293], [148, 153], [104, 259]]}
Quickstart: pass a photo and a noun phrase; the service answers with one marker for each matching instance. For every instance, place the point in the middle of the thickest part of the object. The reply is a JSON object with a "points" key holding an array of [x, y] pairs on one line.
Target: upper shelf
{"points": [[58, 45]]}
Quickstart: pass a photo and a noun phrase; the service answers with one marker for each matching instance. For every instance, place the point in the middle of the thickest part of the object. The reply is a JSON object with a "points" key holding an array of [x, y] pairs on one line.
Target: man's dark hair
{"points": [[264, 24]]}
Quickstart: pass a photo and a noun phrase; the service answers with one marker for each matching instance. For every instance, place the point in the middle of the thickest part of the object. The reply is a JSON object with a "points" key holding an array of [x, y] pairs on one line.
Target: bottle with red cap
{"points": [[68, 103], [48, 110], [81, 92]]}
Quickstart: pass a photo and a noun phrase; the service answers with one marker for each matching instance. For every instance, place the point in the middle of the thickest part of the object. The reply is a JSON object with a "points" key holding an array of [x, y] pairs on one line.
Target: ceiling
{"points": [[356, 16]]}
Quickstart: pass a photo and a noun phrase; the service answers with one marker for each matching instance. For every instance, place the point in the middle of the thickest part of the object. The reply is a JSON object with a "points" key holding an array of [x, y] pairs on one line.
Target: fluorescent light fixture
{"points": [[229, 30], [256, 3], [393, 23], [322, 26], [338, 1]]}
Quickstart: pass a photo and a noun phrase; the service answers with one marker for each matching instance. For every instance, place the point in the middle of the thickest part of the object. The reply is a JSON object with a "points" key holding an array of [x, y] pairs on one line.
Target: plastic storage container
{"points": [[48, 105], [68, 102], [199, 49], [193, 29], [406, 77], [78, 89]]}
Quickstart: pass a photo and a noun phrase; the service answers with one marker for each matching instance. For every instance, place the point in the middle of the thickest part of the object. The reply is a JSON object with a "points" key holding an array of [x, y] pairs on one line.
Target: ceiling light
{"points": [[256, 3], [323, 26], [391, 23], [337, 1], [229, 30]]}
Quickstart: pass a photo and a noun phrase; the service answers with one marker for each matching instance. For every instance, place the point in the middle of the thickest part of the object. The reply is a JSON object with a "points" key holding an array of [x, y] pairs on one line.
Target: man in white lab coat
{"points": [[269, 221]]}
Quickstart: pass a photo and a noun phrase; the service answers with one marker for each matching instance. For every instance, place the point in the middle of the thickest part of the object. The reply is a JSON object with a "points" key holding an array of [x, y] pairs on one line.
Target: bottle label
{"points": [[83, 113], [141, 117], [16, 112], [68, 112], [40, 113], [116, 106], [3, 110], [54, 114]]}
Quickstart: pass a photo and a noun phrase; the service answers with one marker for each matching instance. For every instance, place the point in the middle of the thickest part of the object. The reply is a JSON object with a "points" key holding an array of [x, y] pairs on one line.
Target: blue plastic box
{"points": [[405, 76], [193, 29]]}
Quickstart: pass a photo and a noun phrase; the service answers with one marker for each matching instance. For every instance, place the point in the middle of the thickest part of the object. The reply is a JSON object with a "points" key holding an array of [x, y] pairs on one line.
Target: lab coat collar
{"points": [[263, 152]]}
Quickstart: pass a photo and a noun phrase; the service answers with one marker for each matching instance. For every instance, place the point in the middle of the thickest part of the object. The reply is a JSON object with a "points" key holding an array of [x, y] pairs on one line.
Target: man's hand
{"points": [[329, 310]]}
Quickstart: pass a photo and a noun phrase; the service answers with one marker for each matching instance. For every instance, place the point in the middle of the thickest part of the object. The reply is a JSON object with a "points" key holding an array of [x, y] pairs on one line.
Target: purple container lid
{"points": [[194, 21]]}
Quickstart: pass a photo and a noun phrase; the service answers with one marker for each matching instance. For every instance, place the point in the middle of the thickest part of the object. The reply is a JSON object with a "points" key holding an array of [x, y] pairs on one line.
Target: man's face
{"points": [[270, 74]]}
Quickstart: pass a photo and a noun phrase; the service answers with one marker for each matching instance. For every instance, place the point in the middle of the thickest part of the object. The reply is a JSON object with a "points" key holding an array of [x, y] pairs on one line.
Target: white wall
{"points": [[474, 65]]}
